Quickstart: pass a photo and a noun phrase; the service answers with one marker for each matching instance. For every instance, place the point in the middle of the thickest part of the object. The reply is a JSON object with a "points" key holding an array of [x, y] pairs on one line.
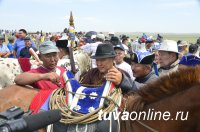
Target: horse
{"points": [[15, 95], [175, 93], [10, 67]]}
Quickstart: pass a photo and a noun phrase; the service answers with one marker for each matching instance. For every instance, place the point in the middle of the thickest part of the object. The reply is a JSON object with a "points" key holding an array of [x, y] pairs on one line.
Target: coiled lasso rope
{"points": [[58, 101]]}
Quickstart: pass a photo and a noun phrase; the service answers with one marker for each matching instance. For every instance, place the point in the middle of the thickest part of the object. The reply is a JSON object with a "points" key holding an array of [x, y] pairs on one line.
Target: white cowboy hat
{"points": [[169, 46]]}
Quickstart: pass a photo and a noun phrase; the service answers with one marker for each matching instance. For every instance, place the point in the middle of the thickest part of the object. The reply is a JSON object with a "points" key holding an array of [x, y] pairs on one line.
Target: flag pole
{"points": [[71, 34]]}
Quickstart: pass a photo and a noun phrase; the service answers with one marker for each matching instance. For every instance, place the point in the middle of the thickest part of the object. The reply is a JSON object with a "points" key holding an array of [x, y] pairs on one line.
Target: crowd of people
{"points": [[168, 54], [129, 64]]}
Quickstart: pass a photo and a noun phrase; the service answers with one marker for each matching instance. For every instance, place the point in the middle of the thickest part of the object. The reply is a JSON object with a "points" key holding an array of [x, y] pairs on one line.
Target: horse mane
{"points": [[164, 87]]}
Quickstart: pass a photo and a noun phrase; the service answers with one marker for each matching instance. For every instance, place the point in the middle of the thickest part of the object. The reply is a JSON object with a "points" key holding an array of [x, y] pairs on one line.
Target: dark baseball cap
{"points": [[119, 46]]}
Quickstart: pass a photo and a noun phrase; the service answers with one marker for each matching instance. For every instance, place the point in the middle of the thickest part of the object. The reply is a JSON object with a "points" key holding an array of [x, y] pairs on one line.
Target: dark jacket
{"points": [[127, 84]]}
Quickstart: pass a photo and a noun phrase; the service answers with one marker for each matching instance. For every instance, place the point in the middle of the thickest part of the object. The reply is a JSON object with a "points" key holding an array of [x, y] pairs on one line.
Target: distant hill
{"points": [[190, 37]]}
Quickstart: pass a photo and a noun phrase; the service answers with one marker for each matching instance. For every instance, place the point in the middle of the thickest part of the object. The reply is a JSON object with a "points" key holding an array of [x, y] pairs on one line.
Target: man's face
{"points": [[22, 34], [28, 43], [119, 56], [139, 70], [50, 60], [104, 64], [82, 42], [149, 45], [165, 58], [125, 42]]}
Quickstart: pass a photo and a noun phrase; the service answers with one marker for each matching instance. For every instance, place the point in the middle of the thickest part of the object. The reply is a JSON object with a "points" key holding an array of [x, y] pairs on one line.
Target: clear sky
{"points": [[172, 16]]}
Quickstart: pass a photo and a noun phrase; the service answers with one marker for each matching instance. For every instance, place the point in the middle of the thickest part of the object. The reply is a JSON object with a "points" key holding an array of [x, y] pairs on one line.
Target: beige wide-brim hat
{"points": [[183, 43], [169, 46]]}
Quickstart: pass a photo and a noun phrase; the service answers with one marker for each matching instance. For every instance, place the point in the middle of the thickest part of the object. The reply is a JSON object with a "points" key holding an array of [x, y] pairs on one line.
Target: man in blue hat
{"points": [[142, 67]]}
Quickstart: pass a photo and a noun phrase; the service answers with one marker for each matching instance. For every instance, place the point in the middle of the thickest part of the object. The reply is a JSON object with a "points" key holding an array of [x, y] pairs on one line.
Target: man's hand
{"points": [[114, 76], [52, 76], [7, 54], [2, 54]]}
